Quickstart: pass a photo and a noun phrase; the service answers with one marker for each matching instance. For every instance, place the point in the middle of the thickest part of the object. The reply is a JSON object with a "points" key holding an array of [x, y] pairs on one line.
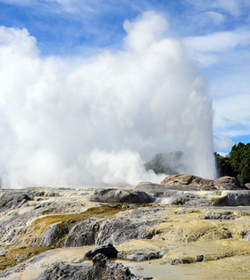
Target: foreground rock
{"points": [[102, 268]]}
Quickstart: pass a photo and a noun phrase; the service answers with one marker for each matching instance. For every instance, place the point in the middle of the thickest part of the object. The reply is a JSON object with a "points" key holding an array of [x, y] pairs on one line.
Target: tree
{"points": [[236, 164], [240, 161], [224, 166]]}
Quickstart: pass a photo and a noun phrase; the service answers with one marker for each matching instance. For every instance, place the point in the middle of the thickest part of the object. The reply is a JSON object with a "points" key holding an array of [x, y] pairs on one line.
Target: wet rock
{"points": [[121, 196], [108, 251]]}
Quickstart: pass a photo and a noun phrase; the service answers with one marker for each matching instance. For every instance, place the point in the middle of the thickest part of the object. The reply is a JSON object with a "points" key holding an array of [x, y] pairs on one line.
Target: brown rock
{"points": [[185, 181]]}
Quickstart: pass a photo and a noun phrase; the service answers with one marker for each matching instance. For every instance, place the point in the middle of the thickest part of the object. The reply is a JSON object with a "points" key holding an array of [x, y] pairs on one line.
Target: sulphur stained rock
{"points": [[121, 196], [105, 231], [53, 233]]}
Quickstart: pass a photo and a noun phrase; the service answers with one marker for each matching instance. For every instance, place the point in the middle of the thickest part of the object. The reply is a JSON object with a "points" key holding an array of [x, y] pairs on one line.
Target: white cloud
{"points": [[219, 41], [230, 6], [232, 115], [222, 143], [58, 120], [217, 18]]}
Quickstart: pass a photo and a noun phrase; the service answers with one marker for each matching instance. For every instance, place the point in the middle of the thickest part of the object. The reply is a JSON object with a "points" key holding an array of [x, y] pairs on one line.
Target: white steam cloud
{"points": [[96, 121]]}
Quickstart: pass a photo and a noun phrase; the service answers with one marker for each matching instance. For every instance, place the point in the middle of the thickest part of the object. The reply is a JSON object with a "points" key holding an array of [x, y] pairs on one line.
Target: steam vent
{"points": [[186, 227]]}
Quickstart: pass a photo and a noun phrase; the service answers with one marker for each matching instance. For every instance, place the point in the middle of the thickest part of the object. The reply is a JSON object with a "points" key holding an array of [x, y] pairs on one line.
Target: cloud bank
{"points": [[94, 121]]}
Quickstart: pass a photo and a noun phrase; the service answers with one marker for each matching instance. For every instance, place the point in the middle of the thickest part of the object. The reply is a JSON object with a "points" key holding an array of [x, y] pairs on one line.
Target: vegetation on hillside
{"points": [[236, 163]]}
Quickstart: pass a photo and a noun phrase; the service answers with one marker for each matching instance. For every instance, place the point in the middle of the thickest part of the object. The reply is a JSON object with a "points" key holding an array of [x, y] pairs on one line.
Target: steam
{"points": [[95, 121]]}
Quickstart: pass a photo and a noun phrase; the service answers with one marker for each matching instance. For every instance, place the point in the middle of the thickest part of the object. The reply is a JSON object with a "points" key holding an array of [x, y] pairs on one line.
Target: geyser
{"points": [[96, 120]]}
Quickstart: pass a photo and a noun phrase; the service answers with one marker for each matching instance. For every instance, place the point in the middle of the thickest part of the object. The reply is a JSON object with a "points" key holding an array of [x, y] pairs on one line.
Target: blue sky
{"points": [[69, 63]]}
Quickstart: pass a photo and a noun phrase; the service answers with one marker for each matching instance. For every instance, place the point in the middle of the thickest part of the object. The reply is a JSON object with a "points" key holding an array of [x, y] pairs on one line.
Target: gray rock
{"points": [[105, 231], [62, 271], [102, 269], [139, 257], [232, 199], [245, 234], [200, 258], [121, 196], [13, 200], [145, 256], [53, 233], [105, 269], [213, 216]]}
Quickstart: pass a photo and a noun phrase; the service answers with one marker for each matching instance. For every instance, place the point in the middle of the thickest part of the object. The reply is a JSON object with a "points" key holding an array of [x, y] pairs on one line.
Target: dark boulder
{"points": [[108, 251]]}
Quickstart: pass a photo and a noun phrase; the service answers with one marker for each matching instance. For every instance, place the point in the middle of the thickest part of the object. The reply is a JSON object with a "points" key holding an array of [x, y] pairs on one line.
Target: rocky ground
{"points": [[184, 228]]}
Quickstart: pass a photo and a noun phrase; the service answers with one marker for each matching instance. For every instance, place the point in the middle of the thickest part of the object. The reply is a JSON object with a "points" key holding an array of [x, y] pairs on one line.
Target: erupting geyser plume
{"points": [[96, 120]]}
